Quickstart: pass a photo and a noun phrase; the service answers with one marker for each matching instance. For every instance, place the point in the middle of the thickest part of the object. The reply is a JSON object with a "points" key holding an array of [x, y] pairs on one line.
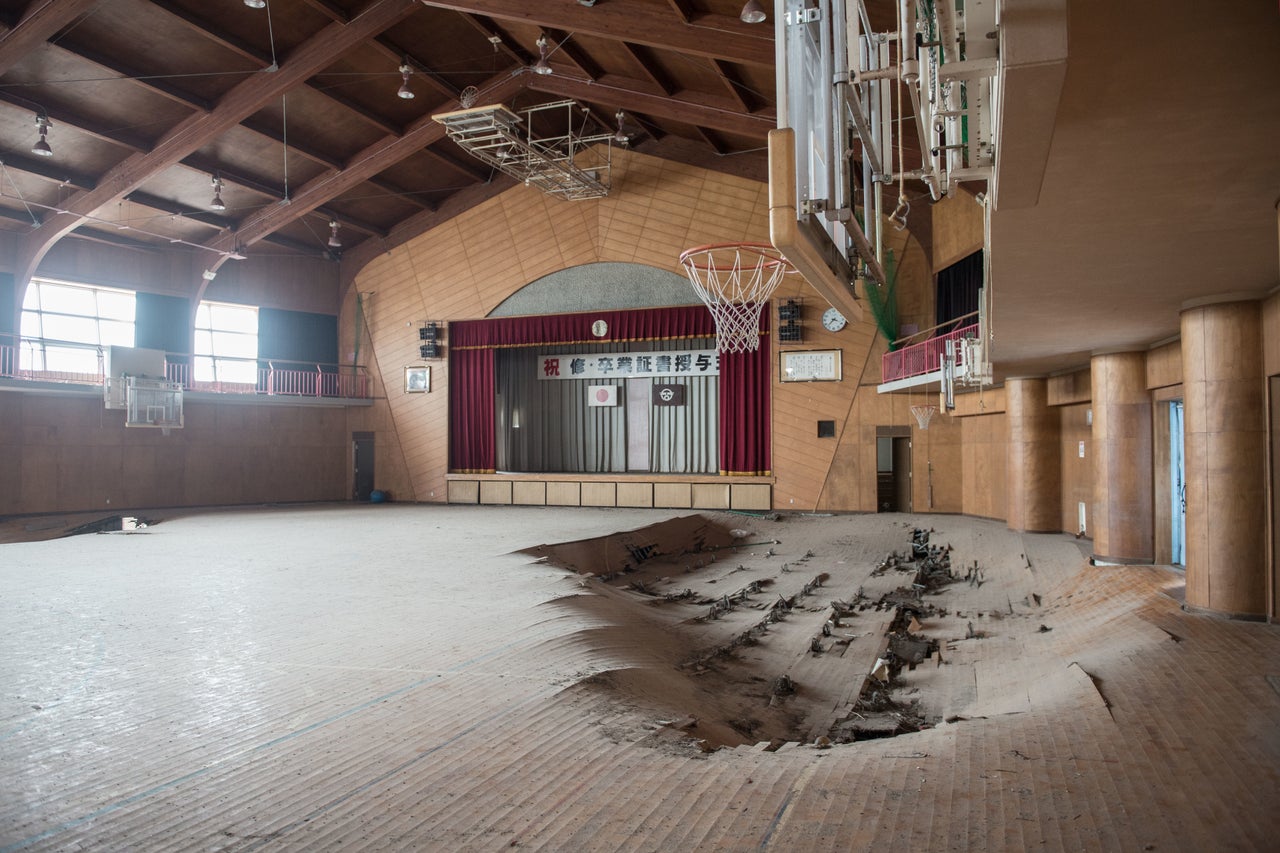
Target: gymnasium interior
{"points": [[639, 425]]}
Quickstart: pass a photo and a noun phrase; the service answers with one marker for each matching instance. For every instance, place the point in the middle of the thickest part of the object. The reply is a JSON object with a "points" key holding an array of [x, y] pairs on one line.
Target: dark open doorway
{"points": [[362, 465], [893, 469]]}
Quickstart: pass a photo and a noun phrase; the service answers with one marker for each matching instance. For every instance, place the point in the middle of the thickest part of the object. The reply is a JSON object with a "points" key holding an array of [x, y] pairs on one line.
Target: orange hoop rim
{"points": [[772, 257]]}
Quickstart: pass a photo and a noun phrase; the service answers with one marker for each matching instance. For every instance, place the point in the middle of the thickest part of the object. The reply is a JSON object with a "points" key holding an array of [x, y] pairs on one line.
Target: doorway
{"points": [[1177, 486], [362, 465], [893, 469]]}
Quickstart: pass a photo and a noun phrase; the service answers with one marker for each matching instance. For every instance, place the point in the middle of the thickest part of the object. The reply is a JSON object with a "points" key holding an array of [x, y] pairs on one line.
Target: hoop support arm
{"points": [[784, 230]]}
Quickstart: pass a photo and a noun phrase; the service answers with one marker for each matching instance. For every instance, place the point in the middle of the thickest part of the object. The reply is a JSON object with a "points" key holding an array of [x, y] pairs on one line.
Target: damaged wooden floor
{"points": [[394, 678]]}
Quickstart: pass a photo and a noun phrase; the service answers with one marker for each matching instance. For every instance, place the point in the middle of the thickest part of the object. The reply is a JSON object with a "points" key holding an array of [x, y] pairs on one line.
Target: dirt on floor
{"points": [[768, 632]]}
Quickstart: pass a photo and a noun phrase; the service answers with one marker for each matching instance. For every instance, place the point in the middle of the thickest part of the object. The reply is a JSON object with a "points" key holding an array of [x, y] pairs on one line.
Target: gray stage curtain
{"points": [[547, 426], [682, 439]]}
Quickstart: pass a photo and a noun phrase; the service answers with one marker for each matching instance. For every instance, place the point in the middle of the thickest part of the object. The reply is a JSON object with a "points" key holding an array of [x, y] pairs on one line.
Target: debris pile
{"points": [[875, 713]]}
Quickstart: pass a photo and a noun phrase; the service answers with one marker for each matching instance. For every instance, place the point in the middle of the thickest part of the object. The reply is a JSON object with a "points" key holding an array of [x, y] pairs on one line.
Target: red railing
{"points": [[924, 357], [318, 380]]}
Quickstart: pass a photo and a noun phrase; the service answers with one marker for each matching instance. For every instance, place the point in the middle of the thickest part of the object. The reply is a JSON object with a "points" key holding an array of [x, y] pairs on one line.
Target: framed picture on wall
{"points": [[417, 379]]}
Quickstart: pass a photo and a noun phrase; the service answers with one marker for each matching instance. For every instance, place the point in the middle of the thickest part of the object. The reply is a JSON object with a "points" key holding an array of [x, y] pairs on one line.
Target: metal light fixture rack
{"points": [[566, 164]]}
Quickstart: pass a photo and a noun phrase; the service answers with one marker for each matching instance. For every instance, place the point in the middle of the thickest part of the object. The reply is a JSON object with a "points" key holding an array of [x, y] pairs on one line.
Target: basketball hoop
{"points": [[923, 415], [735, 280]]}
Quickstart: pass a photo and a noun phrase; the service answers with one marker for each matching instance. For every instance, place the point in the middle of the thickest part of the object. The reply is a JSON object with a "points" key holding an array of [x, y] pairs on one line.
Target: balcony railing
{"points": [[26, 361], [923, 358]]}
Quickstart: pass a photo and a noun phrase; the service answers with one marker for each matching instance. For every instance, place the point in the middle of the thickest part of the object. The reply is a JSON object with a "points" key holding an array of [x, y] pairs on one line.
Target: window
{"points": [[65, 326], [226, 343]]}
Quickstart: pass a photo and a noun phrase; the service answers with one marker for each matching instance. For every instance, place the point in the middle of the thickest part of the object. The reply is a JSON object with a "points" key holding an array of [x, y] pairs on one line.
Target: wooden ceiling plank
{"points": [[38, 24], [733, 83], [681, 9], [208, 30], [629, 95], [424, 72], [173, 208], [507, 44], [382, 124], [189, 135], [404, 195], [84, 125], [364, 165], [574, 53], [720, 36], [329, 9], [649, 69], [471, 169], [53, 172], [712, 140], [157, 85]]}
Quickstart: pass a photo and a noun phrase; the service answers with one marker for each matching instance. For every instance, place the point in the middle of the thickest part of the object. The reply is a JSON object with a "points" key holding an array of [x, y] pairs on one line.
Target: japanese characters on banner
{"points": [[630, 365]]}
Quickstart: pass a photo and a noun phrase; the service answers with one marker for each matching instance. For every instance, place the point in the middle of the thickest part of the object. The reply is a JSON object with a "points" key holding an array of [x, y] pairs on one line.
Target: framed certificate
{"points": [[822, 365]]}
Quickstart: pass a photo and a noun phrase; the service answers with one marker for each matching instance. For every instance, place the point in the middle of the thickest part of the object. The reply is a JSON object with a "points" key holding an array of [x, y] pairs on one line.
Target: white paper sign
{"points": [[629, 365]]}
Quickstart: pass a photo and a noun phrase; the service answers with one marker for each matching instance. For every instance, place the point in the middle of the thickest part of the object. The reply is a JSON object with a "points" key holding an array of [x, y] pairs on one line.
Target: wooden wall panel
{"points": [[1271, 335], [1070, 388], [1164, 365], [984, 457], [985, 401], [957, 229], [466, 267], [1077, 469], [391, 475], [75, 455]]}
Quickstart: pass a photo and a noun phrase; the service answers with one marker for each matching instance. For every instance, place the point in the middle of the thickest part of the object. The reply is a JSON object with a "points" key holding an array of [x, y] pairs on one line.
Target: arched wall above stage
{"points": [[602, 286]]}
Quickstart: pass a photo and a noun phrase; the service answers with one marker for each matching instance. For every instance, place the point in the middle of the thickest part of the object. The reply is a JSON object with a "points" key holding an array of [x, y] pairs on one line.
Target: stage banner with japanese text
{"points": [[630, 365]]}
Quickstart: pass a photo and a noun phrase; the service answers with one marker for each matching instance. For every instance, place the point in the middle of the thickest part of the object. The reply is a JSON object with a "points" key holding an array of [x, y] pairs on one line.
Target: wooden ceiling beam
{"points": [[38, 24], [189, 135], [208, 30], [364, 165], [721, 36], [404, 195], [618, 92]]}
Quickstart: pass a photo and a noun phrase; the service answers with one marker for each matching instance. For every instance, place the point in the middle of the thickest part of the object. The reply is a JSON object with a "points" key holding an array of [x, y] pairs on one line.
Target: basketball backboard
{"points": [[868, 104]]}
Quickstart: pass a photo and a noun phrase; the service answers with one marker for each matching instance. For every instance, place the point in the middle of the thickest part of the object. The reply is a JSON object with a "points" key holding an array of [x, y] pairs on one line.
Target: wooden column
{"points": [[1122, 521], [1225, 458], [1035, 460]]}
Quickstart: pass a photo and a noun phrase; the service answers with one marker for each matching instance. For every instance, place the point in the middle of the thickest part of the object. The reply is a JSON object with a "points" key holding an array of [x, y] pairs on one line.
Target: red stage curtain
{"points": [[471, 422], [652, 324], [744, 409], [744, 378]]}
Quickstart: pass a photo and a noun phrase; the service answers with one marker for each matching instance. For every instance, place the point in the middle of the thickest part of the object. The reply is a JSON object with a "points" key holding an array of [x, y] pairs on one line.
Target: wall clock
{"points": [[833, 320]]}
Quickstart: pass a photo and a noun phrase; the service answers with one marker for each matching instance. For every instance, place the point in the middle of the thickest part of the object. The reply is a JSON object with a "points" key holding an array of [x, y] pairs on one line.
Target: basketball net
{"points": [[923, 415], [735, 280]]}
